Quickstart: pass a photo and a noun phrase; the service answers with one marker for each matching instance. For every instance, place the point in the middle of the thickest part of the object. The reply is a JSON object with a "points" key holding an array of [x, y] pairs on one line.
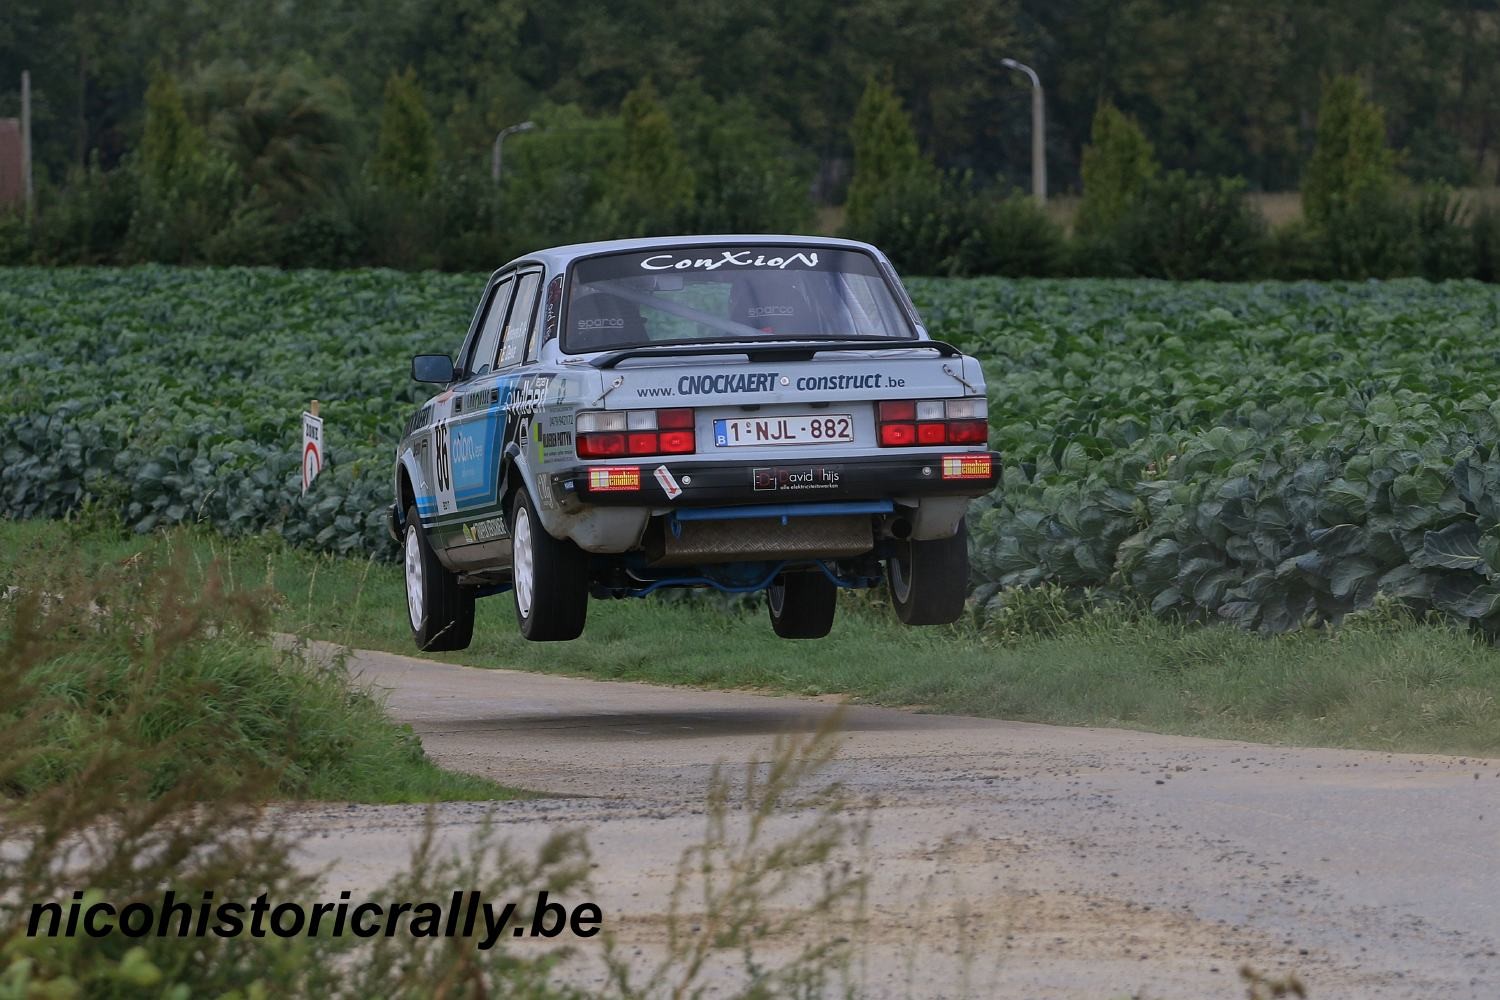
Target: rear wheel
{"points": [[802, 605], [439, 608], [929, 580], [551, 578]]}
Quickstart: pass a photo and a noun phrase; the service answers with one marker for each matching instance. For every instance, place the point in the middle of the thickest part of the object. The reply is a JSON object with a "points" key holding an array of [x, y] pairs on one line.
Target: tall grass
{"points": [[158, 652]]}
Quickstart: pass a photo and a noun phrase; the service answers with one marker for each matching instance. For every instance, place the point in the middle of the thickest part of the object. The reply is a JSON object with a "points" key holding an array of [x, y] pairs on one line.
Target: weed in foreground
{"points": [[123, 776], [745, 889]]}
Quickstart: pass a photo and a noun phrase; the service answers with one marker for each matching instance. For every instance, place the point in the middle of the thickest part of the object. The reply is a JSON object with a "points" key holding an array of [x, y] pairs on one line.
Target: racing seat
{"points": [[773, 305], [598, 321]]}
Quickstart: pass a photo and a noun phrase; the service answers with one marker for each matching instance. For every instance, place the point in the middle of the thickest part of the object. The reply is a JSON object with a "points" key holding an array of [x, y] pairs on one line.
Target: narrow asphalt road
{"points": [[1007, 859]]}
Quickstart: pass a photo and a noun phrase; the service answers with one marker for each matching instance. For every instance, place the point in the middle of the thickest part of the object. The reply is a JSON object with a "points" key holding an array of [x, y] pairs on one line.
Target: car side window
{"points": [[481, 359], [513, 346], [547, 329]]}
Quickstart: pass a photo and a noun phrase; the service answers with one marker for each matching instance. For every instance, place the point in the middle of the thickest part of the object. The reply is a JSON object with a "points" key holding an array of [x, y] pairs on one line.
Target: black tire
{"points": [[802, 605], [929, 580], [551, 578], [439, 609]]}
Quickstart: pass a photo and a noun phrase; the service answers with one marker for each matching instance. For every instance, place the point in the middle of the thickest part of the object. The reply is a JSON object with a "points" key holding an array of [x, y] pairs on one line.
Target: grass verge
{"points": [[156, 651], [1380, 681]]}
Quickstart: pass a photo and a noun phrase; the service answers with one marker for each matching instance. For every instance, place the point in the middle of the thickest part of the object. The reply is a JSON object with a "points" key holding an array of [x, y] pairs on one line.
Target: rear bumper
{"points": [[697, 483]]}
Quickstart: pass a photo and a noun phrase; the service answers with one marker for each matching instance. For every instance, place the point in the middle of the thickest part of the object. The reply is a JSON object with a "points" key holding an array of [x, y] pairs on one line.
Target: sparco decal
{"points": [[737, 382], [728, 258]]}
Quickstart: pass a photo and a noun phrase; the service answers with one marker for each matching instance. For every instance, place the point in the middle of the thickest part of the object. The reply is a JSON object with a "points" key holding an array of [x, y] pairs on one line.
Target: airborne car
{"points": [[739, 412]]}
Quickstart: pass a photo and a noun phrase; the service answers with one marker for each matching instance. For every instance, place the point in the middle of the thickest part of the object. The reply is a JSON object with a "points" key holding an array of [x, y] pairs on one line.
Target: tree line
{"points": [[338, 132]]}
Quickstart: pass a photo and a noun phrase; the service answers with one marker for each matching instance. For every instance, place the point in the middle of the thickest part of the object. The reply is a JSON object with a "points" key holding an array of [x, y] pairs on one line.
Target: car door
{"points": [[482, 425], [520, 402], [462, 429]]}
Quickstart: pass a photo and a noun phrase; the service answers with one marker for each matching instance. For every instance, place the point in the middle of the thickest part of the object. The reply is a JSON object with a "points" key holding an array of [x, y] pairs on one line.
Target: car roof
{"points": [[557, 258]]}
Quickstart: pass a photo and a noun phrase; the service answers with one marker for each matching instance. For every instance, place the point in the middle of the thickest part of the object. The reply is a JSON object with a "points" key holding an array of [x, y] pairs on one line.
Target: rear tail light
{"points": [[895, 410], [677, 443], [897, 435], [608, 445], [932, 433], [600, 420], [633, 433], [904, 423], [968, 432]]}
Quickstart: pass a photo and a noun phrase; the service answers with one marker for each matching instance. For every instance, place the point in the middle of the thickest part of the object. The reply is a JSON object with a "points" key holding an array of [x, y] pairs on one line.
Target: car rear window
{"points": [[724, 294]]}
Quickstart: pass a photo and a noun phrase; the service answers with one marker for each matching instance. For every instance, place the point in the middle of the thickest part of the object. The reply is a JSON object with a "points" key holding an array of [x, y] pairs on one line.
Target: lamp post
{"points": [[1038, 131], [26, 188], [495, 150]]}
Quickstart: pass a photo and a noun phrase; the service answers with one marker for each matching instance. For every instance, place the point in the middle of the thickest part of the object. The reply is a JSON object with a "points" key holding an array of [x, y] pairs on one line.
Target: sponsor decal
{"points": [[825, 383], [966, 467], [614, 478], [467, 445], [477, 399], [554, 304], [484, 531], [728, 258], [549, 439], [420, 419], [527, 395], [759, 311], [814, 477], [603, 323], [727, 382], [668, 484], [767, 381]]}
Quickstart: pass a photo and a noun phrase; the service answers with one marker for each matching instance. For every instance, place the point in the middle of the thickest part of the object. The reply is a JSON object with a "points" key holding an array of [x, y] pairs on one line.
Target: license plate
{"points": [[821, 428]]}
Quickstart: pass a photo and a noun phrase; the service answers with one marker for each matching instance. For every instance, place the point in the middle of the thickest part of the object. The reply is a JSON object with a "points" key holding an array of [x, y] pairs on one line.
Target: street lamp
{"points": [[495, 151], [1038, 132]]}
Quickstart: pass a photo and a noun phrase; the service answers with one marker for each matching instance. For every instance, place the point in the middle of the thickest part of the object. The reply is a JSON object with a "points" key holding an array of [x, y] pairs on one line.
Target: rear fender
{"points": [[937, 517], [593, 529], [516, 473]]}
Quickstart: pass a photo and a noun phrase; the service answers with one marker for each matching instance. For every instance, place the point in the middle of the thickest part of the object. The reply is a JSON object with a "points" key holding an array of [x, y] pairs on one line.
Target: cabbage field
{"points": [[1265, 454]]}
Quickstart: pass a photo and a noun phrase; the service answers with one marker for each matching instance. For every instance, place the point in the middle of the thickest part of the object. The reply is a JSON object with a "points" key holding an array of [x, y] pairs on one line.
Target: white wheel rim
{"points": [[523, 569], [414, 577], [776, 597], [900, 580]]}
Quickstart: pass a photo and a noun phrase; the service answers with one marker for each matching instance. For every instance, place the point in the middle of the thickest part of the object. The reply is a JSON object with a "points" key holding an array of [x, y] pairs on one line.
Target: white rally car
{"points": [[738, 412]]}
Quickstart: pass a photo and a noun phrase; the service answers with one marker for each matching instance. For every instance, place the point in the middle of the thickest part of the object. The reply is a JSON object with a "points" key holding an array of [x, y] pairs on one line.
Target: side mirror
{"points": [[432, 368]]}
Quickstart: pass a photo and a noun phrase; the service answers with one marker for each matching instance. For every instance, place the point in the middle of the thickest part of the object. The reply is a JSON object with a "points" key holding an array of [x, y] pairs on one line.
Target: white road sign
{"points": [[312, 448]]}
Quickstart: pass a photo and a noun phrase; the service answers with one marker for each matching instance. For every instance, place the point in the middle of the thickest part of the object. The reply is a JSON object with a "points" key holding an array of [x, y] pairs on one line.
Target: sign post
{"points": [[312, 445]]}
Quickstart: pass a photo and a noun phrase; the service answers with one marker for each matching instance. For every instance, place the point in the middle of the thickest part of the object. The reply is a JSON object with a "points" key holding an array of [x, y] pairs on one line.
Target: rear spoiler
{"points": [[783, 351]]}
